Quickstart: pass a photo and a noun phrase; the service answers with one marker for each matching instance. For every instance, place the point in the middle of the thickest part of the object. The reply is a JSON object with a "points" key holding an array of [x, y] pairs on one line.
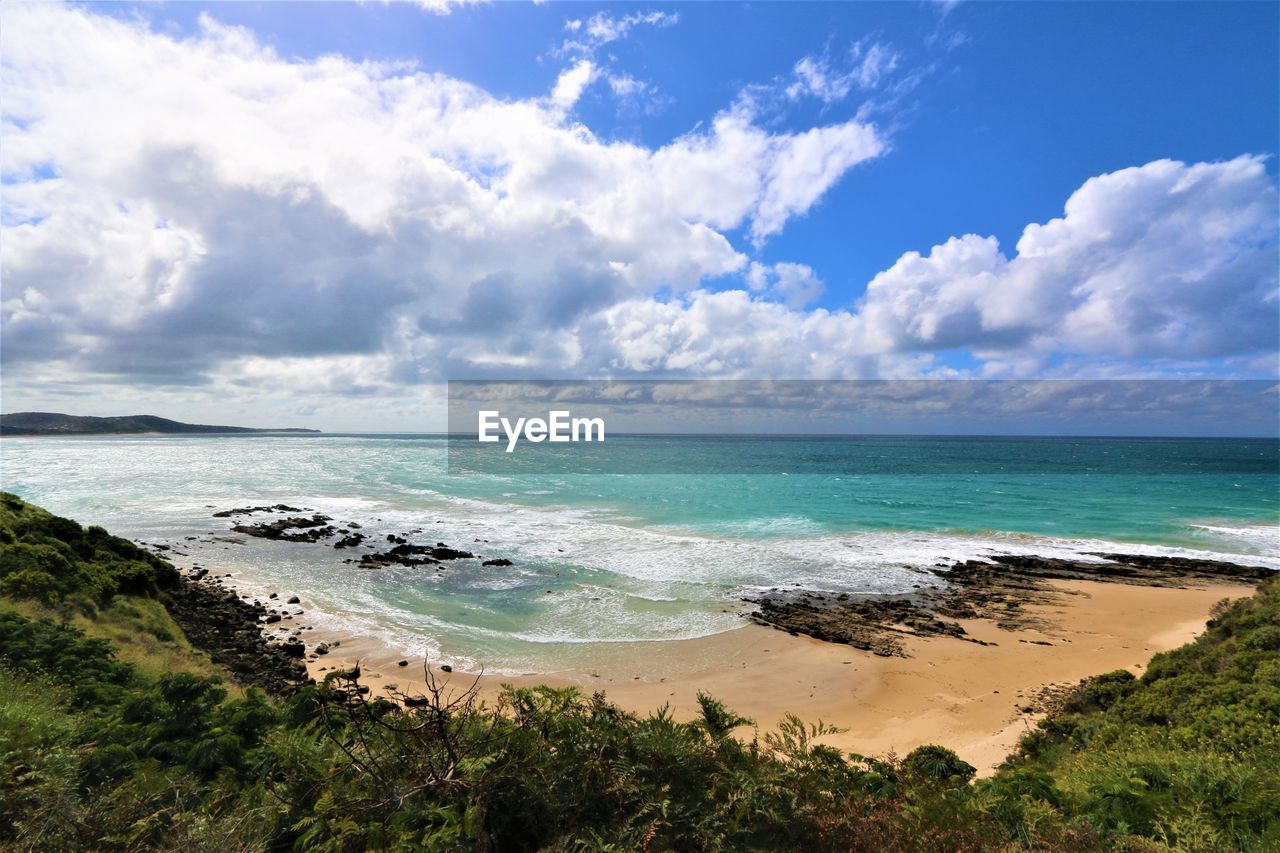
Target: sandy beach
{"points": [[976, 699]]}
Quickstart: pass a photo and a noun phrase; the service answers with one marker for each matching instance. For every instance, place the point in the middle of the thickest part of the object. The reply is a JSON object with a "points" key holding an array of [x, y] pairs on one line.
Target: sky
{"points": [[296, 214]]}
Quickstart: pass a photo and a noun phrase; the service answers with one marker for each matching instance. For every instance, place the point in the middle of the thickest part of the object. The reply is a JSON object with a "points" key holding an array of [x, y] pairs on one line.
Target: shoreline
{"points": [[969, 659], [975, 698]]}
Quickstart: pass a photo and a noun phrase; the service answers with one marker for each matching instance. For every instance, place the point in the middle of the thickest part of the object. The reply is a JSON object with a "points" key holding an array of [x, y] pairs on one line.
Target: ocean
{"points": [[608, 558]]}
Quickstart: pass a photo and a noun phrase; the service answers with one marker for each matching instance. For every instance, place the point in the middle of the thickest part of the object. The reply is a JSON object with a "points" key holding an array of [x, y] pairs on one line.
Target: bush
{"points": [[51, 559], [938, 764]]}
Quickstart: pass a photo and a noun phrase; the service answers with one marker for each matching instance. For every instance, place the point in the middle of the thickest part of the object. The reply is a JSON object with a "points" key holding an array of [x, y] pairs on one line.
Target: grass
{"points": [[141, 631]]}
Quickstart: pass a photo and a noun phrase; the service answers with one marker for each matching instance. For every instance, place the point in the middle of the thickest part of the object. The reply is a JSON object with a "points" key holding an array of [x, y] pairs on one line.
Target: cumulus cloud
{"points": [[795, 285], [174, 204], [1166, 260], [1167, 264], [736, 334]]}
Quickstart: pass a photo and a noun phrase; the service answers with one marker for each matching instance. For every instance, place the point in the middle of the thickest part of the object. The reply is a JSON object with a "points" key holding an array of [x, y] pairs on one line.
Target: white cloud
{"points": [[601, 29], [1159, 267], [442, 7], [1166, 260], [590, 34], [215, 202], [795, 285], [868, 65], [572, 82], [625, 86], [734, 334]]}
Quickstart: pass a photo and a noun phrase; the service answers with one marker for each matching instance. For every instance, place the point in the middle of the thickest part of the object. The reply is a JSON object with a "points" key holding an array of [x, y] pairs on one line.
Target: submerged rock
{"points": [[350, 540]]}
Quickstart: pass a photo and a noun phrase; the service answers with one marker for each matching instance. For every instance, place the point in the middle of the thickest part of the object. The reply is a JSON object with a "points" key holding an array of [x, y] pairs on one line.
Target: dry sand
{"points": [[969, 697]]}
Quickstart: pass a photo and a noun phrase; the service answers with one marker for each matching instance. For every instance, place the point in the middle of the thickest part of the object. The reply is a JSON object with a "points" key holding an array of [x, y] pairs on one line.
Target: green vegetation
{"points": [[97, 751], [56, 561], [56, 423]]}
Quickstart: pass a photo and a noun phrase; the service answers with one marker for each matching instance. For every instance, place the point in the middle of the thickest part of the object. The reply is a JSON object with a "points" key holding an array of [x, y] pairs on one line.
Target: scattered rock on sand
{"points": [[998, 590], [218, 622]]}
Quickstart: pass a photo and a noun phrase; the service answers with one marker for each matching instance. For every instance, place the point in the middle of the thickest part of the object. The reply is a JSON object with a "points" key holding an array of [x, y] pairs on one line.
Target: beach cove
{"points": [[644, 587], [979, 700]]}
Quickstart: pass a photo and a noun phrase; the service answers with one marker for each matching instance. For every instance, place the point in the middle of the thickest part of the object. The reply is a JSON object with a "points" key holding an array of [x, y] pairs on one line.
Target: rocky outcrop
{"points": [[998, 590], [350, 540], [405, 554], [318, 527], [229, 629], [871, 623], [250, 510], [292, 529]]}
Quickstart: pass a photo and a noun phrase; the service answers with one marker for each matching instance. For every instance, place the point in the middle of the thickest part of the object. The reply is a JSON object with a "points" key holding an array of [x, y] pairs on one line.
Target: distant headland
{"points": [[55, 423]]}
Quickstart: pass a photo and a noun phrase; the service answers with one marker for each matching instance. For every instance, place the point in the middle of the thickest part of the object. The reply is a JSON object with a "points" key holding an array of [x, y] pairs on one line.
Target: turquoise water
{"points": [[608, 558]]}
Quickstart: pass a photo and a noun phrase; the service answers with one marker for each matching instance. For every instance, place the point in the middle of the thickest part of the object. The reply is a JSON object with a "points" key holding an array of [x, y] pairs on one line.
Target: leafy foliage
{"points": [[55, 560]]}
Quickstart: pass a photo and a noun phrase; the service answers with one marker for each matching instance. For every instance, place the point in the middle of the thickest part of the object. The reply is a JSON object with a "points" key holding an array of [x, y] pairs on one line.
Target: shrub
{"points": [[938, 764]]}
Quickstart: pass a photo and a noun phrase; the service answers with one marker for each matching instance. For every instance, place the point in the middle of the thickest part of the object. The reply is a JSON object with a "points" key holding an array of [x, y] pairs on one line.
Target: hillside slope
{"points": [[55, 423]]}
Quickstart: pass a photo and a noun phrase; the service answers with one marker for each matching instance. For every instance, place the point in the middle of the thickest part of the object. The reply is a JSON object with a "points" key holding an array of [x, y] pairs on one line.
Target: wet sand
{"points": [[969, 697]]}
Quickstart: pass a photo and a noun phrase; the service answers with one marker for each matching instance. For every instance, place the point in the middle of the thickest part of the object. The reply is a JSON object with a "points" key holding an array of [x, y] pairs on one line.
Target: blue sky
{"points": [[321, 211]]}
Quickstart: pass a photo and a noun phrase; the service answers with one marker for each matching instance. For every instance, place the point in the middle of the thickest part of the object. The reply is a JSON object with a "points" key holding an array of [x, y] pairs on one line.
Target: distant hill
{"points": [[54, 423]]}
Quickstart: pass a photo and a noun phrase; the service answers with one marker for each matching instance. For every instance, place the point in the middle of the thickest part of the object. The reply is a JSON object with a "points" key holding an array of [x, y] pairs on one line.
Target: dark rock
{"points": [[293, 529], [999, 590], [444, 552], [250, 510], [501, 561], [293, 599], [411, 555], [215, 620], [350, 540]]}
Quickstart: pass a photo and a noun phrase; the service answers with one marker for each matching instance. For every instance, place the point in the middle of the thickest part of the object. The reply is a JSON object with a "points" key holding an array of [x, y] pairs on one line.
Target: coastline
{"points": [[976, 698], [970, 658]]}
